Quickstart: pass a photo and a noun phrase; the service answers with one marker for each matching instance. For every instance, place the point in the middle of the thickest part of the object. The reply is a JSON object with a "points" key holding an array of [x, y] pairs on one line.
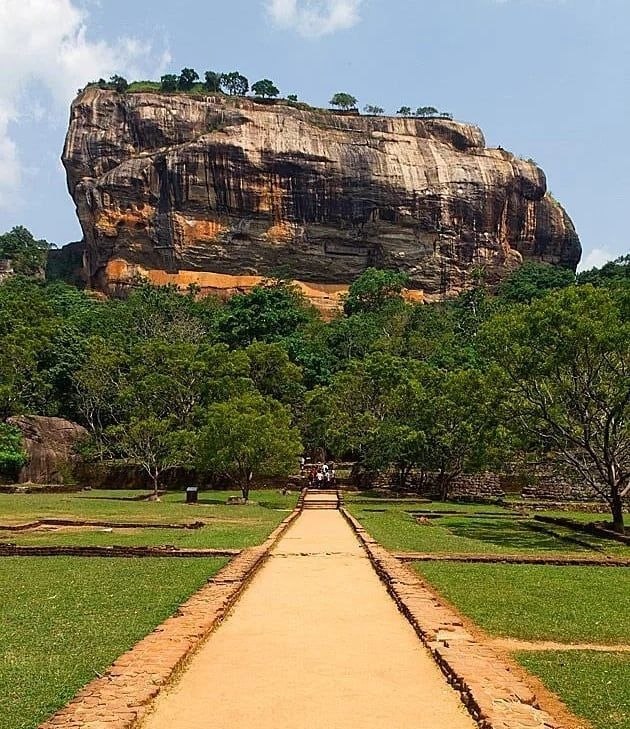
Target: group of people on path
{"points": [[320, 475]]}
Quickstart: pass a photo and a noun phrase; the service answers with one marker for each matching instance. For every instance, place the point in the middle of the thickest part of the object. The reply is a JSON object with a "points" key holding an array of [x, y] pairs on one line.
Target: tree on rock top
{"points": [[265, 89], [187, 78], [235, 83], [119, 83], [343, 101], [168, 83], [212, 81]]}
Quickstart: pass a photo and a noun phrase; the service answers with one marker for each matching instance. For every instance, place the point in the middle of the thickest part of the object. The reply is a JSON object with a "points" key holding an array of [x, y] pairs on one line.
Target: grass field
{"points": [[538, 602], [225, 526], [64, 620], [474, 529], [593, 685]]}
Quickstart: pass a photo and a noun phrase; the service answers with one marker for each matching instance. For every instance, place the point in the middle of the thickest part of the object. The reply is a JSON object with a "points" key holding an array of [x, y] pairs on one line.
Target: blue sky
{"points": [[546, 79]]}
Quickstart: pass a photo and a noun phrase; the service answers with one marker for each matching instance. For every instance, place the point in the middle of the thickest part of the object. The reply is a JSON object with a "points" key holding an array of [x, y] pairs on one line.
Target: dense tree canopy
{"points": [[265, 88], [537, 370], [27, 255], [343, 101]]}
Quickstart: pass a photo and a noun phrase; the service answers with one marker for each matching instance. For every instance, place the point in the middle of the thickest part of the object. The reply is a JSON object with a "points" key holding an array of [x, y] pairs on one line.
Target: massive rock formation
{"points": [[49, 444], [220, 192]]}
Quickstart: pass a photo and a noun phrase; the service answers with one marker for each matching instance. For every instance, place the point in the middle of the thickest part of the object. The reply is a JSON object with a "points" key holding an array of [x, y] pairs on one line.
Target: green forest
{"points": [[536, 371]]}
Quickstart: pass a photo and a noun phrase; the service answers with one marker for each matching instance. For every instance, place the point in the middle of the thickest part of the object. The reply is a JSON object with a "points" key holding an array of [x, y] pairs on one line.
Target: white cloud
{"points": [[314, 18], [596, 258], [45, 42]]}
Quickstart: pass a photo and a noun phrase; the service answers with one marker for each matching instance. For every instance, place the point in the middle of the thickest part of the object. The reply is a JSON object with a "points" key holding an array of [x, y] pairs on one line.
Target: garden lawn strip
{"points": [[124, 506], [594, 685], [400, 531], [538, 602], [64, 620]]}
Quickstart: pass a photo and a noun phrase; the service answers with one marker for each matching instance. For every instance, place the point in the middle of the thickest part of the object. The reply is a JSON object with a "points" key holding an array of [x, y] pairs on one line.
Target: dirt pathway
{"points": [[315, 642]]}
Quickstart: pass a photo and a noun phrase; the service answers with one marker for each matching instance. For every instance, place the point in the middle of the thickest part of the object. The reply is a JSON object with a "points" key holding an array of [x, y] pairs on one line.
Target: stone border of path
{"points": [[490, 688], [122, 697], [106, 524], [563, 561], [16, 550]]}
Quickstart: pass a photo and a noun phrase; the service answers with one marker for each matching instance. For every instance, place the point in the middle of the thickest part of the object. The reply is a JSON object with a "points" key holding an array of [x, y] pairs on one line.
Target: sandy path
{"points": [[315, 642]]}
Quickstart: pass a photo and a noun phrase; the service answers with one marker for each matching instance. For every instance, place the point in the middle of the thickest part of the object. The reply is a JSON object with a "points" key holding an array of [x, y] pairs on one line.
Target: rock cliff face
{"points": [[221, 192]]}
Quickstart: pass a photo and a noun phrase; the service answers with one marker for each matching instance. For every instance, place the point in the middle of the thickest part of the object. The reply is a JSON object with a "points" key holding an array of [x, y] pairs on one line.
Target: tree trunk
{"points": [[616, 507], [246, 486], [155, 477], [444, 482], [403, 474]]}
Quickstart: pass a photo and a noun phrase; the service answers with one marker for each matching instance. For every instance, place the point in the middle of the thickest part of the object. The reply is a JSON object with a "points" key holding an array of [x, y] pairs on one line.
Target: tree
{"points": [[617, 271], [274, 374], [248, 437], [426, 111], [12, 453], [373, 289], [293, 98], [169, 83], [265, 89], [405, 111], [212, 81], [119, 83], [187, 78], [375, 110], [268, 313], [533, 280], [458, 418], [156, 444], [563, 364], [235, 83], [27, 255], [343, 101], [392, 412]]}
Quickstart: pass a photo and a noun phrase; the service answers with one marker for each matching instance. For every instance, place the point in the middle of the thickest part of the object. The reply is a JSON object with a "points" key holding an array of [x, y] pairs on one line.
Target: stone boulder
{"points": [[50, 444]]}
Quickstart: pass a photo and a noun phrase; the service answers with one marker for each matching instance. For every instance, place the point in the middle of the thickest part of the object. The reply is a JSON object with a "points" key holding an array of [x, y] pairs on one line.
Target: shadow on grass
{"points": [[516, 535]]}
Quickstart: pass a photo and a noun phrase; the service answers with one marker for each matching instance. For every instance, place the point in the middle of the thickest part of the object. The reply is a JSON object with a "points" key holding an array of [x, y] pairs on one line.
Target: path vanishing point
{"points": [[314, 642]]}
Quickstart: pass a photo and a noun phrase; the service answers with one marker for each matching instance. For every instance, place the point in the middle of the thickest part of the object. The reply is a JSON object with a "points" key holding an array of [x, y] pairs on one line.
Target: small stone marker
{"points": [[192, 495]]}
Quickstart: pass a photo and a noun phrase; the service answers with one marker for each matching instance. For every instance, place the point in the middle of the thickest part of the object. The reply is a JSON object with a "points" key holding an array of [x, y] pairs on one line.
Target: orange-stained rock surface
{"points": [[223, 192]]}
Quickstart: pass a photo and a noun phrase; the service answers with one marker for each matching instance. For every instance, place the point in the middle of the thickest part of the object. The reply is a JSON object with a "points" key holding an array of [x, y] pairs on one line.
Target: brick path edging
{"points": [[122, 697], [98, 523], [495, 696], [33, 550], [564, 561]]}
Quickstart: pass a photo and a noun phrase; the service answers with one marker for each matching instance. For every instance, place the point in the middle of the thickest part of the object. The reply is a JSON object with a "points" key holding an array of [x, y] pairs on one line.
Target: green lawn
{"points": [[538, 602], [64, 620], [226, 526], [595, 686], [474, 530], [584, 516]]}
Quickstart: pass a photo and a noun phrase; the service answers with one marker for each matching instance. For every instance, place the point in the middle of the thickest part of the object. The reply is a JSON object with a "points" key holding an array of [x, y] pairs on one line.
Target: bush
{"points": [[12, 454]]}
